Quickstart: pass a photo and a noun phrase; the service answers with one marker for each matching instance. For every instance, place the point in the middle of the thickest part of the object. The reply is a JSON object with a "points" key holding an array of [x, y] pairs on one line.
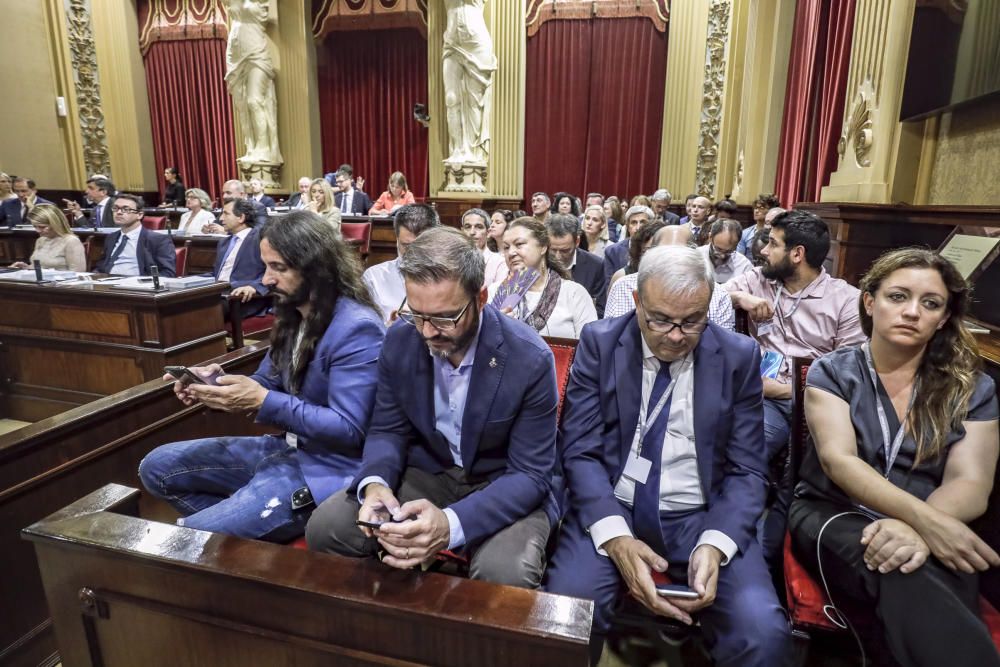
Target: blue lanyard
{"points": [[891, 448]]}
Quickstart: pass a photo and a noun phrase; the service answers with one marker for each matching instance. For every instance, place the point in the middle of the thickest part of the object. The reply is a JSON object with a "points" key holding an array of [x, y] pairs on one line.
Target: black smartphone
{"points": [[187, 376], [370, 524], [675, 591]]}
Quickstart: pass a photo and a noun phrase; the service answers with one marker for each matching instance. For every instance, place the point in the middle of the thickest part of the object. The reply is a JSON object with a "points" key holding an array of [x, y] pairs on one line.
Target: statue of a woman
{"points": [[250, 76], [469, 63]]}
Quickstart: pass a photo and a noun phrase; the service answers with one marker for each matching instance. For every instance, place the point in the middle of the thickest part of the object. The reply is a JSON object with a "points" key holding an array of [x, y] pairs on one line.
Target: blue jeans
{"points": [[777, 430], [240, 486]]}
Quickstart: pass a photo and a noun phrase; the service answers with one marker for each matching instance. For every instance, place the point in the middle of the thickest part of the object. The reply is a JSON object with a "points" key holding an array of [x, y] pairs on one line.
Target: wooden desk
{"points": [[49, 464], [61, 347]]}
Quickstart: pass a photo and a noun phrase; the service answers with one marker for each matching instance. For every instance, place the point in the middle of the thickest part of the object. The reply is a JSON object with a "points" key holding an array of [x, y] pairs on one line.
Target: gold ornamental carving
{"points": [[716, 48], [88, 88], [857, 128]]}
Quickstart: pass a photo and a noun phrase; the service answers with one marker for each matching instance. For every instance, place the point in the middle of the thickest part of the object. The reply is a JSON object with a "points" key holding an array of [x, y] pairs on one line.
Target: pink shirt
{"points": [[822, 320]]}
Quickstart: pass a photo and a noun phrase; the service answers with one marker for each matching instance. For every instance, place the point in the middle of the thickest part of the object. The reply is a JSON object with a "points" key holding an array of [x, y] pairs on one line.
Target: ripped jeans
{"points": [[240, 486]]}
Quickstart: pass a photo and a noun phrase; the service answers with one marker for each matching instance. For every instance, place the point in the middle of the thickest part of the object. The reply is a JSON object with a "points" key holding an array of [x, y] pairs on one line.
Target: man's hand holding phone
{"points": [[185, 376], [379, 507], [415, 541]]}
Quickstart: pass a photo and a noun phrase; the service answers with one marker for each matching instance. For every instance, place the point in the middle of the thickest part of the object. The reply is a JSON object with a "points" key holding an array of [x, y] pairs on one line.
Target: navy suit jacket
{"points": [[601, 410], [669, 218], [589, 272], [615, 257], [267, 201], [248, 269], [360, 204], [158, 247], [508, 427], [294, 200], [107, 217], [10, 211]]}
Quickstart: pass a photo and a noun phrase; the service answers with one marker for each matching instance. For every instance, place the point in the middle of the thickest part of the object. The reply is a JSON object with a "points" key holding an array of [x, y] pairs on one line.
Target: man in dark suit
{"points": [[133, 249], [233, 189], [663, 450], [586, 268], [661, 200], [100, 193], [461, 454], [237, 258], [257, 194], [15, 211], [300, 198], [616, 254], [350, 200]]}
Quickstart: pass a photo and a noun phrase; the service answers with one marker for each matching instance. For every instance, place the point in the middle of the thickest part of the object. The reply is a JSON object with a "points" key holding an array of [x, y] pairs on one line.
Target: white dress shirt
{"points": [[385, 283], [227, 264], [735, 265], [346, 200], [620, 302], [680, 482], [574, 308], [127, 263], [192, 223]]}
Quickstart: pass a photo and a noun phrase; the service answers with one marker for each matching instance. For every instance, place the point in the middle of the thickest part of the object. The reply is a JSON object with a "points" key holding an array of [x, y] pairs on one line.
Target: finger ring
{"points": [[407, 552]]}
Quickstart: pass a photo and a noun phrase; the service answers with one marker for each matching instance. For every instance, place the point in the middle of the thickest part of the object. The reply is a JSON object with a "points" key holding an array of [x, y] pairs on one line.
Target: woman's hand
{"points": [[19, 265], [893, 544], [953, 543]]}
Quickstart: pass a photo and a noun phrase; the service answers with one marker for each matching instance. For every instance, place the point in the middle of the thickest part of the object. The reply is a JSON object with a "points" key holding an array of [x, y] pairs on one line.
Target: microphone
{"points": [[38, 270], [155, 272]]}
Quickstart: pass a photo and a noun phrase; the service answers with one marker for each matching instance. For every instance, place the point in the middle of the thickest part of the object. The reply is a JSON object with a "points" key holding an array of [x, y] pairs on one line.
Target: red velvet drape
{"points": [[814, 98], [594, 107], [368, 83], [191, 112]]}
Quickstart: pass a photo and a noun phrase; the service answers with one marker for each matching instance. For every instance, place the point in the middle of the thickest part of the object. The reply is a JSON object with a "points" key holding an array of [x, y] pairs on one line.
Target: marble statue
{"points": [[469, 63], [250, 74]]}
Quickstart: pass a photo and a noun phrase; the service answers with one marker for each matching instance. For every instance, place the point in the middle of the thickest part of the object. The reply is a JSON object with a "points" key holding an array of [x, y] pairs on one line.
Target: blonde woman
{"points": [[595, 230], [397, 195], [6, 192], [321, 200], [57, 247], [199, 212]]}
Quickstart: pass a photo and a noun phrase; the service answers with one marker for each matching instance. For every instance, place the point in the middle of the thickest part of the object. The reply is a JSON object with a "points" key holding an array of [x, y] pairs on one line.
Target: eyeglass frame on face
{"points": [[722, 256], [654, 325], [124, 209], [442, 324]]}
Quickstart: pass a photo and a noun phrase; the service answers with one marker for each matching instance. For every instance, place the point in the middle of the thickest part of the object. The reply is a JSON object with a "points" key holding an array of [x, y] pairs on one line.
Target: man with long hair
{"points": [[317, 383]]}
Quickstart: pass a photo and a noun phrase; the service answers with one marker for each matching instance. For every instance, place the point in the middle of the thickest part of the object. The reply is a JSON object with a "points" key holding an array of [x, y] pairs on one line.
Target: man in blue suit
{"points": [[133, 249], [665, 462], [463, 441], [317, 384], [349, 199], [14, 211], [237, 258]]}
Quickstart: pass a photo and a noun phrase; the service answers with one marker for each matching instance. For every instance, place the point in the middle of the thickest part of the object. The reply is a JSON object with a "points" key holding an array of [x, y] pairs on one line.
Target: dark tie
{"points": [[98, 210], [646, 501], [118, 251]]}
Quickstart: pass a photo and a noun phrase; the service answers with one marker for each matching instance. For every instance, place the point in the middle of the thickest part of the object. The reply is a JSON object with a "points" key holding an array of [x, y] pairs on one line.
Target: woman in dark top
{"points": [[905, 435], [174, 194]]}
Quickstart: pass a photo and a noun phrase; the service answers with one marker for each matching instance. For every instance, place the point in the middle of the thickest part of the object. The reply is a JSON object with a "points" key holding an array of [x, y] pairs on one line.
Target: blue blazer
{"points": [[10, 211], [601, 410], [267, 201], [508, 428], [247, 270], [331, 412], [158, 247], [615, 257], [360, 204], [589, 272]]}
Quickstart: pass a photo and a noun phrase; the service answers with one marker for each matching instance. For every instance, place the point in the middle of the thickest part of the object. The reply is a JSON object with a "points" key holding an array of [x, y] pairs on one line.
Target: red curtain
{"points": [[814, 98], [368, 83], [594, 107], [191, 112]]}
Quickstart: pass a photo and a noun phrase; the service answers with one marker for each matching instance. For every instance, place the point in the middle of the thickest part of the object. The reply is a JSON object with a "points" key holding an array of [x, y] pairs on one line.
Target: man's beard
{"points": [[782, 271], [453, 345], [297, 298]]}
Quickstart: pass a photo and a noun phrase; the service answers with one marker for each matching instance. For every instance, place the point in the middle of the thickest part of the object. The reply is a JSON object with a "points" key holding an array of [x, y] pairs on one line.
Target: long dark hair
{"points": [[947, 374], [329, 269]]}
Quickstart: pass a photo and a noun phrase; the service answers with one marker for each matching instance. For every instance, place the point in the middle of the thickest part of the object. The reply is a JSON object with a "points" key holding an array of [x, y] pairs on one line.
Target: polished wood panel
{"points": [[47, 465], [133, 592]]}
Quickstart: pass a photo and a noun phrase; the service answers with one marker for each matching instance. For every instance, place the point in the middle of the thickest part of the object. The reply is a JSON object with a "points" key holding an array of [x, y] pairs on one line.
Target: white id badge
{"points": [[764, 328], [637, 468]]}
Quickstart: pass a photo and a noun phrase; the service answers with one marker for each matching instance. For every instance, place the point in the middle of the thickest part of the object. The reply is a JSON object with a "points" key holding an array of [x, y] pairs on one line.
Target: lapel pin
{"points": [[493, 362]]}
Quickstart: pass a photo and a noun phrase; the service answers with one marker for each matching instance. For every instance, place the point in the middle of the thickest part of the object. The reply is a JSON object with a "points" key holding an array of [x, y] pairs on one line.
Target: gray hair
{"points": [[477, 211], [726, 225], [444, 253], [662, 193], [774, 212], [635, 210], [241, 188], [200, 195], [682, 271], [417, 218], [562, 224]]}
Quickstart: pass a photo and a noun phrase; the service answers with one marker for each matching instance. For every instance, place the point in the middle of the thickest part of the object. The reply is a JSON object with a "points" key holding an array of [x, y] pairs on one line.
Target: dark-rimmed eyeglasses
{"points": [[439, 323], [123, 209], [666, 326]]}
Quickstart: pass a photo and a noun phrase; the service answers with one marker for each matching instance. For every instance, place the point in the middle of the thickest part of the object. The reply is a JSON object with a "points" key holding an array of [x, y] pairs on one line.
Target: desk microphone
{"points": [[38, 270], [155, 272]]}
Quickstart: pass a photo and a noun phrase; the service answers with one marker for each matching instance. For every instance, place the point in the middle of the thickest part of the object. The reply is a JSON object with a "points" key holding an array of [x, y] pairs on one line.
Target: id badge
{"points": [[637, 468], [764, 328]]}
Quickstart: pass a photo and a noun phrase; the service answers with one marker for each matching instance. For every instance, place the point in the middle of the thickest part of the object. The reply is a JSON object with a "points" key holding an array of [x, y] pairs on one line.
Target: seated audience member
{"points": [[321, 201], [554, 305], [384, 280], [133, 249], [759, 241], [540, 204], [904, 429], [595, 231], [474, 223], [174, 193], [257, 194], [565, 203], [621, 299], [15, 211], [661, 200], [723, 237], [498, 225], [616, 255], [5, 187], [613, 212], [198, 215], [687, 208], [595, 199], [584, 267], [638, 243], [100, 193], [796, 310], [350, 200], [761, 205], [57, 247], [317, 383], [698, 211], [234, 189], [664, 461], [461, 452], [300, 198], [396, 195], [238, 260]]}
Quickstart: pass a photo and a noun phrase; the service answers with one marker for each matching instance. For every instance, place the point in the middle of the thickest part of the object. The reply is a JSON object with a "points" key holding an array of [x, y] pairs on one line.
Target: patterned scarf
{"points": [[546, 304]]}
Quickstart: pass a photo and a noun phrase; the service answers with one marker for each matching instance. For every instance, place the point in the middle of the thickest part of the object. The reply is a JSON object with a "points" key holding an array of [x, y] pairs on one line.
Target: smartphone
{"points": [[187, 376], [375, 525], [675, 591]]}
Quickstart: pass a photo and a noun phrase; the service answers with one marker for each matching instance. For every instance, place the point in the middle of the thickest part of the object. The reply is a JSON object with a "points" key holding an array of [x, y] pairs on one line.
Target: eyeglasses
{"points": [[123, 209], [718, 253], [666, 326], [439, 323]]}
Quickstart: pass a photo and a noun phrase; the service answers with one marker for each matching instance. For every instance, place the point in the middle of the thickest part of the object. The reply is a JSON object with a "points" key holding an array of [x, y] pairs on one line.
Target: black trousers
{"points": [[927, 618]]}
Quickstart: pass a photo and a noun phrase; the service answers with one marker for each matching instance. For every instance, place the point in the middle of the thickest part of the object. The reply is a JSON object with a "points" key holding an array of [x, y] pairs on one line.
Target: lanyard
{"points": [[795, 306], [891, 449], [657, 409]]}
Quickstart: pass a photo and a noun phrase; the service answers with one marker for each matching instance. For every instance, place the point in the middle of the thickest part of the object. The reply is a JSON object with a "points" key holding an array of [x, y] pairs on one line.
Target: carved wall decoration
{"points": [[857, 129], [334, 15], [539, 11], [738, 179], [716, 48], [96, 158], [165, 20]]}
